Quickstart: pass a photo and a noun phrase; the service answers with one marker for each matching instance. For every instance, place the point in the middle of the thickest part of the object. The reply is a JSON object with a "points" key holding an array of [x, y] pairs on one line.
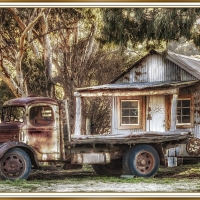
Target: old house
{"points": [[156, 94]]}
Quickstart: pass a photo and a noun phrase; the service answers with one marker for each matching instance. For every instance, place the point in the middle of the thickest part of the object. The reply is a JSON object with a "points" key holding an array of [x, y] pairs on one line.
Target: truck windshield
{"points": [[13, 114]]}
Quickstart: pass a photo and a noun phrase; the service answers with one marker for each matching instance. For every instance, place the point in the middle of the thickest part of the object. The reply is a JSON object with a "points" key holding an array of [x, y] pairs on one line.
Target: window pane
{"points": [[179, 103], [125, 112], [41, 115], [178, 111], [133, 120], [133, 112], [186, 111], [186, 119], [129, 104], [178, 119], [13, 114], [185, 103], [125, 120]]}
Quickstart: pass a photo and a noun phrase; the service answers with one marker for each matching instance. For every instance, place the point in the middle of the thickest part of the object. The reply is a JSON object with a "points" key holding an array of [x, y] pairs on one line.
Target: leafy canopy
{"points": [[138, 25]]}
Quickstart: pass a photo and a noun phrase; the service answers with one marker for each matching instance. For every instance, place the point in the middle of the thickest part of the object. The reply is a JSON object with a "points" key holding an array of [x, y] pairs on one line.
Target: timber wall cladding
{"points": [[155, 68], [195, 91]]}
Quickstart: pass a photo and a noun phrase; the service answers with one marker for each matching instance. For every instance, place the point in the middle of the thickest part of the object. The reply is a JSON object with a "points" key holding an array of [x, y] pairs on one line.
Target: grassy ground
{"points": [[176, 179]]}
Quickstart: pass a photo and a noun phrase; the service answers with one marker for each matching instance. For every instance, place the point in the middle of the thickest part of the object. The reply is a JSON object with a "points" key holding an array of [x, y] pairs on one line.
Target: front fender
{"points": [[4, 147]]}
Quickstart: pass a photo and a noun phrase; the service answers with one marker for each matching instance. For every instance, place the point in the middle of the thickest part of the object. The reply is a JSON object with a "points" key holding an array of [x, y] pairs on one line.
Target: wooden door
{"points": [[155, 119]]}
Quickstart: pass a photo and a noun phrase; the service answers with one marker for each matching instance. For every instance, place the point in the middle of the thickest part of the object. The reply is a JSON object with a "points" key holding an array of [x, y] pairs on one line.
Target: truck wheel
{"points": [[125, 162], [144, 161], [112, 168], [15, 164]]}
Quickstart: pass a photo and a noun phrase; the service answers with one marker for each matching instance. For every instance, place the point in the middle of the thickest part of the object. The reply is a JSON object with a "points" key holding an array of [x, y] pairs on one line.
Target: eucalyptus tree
{"points": [[144, 25], [16, 28], [26, 47]]}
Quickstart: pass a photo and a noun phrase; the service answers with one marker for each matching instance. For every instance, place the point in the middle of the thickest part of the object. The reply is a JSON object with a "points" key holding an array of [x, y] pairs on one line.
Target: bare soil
{"points": [[184, 178]]}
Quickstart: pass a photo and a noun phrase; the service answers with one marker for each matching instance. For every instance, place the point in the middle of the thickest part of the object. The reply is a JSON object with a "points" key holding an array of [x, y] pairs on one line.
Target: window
{"points": [[13, 114], [184, 112], [130, 112], [41, 115], [130, 109]]}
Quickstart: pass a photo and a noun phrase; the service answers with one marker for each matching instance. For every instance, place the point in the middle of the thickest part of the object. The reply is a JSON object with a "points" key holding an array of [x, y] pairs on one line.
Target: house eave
{"points": [[138, 85]]}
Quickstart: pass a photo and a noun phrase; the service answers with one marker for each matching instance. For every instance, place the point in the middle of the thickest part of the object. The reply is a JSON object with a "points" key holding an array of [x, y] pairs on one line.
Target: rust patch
{"points": [[41, 140], [9, 131], [138, 73], [193, 147]]}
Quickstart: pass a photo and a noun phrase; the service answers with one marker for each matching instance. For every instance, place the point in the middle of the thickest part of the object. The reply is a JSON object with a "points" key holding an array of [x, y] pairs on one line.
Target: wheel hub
{"points": [[12, 165], [145, 162]]}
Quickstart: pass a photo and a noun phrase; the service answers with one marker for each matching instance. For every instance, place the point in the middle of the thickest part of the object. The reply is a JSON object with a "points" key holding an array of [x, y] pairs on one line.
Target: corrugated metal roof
{"points": [[139, 85], [189, 64]]}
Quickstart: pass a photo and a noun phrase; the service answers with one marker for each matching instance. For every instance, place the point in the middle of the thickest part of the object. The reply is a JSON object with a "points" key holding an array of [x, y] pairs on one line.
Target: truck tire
{"points": [[15, 164], [143, 161], [112, 168], [125, 162]]}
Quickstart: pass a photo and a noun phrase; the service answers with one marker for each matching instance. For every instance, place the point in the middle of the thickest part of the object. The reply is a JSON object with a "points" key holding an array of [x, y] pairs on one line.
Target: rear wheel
{"points": [[125, 162], [144, 161], [112, 168], [15, 164]]}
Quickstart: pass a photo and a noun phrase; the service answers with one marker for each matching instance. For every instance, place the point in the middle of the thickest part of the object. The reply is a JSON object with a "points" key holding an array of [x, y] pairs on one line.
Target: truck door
{"points": [[155, 119], [43, 131]]}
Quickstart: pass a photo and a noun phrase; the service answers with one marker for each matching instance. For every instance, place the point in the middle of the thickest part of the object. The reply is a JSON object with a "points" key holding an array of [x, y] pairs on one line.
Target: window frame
{"points": [[51, 122], [191, 124], [141, 109]]}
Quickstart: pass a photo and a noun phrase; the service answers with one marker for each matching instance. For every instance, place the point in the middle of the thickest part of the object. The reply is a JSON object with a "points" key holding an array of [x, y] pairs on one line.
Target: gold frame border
{"points": [[102, 3]]}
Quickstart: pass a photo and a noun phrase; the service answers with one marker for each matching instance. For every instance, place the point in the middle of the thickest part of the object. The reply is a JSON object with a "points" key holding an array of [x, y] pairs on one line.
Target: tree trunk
{"points": [[47, 56]]}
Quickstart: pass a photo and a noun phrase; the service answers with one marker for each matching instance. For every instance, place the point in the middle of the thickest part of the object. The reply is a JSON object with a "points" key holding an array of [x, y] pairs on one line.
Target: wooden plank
{"points": [[168, 112], [131, 140], [67, 120], [88, 126], [126, 92], [173, 112], [78, 118]]}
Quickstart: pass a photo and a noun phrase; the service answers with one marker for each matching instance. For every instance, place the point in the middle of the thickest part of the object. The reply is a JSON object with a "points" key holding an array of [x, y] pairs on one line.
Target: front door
{"points": [[155, 119]]}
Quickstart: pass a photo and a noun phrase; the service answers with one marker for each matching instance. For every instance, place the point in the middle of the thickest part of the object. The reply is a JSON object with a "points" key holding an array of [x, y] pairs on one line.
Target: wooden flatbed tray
{"points": [[141, 137]]}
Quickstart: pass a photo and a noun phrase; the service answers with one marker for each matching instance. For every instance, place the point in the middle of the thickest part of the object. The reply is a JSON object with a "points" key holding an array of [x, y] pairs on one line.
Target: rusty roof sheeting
{"points": [[139, 85]]}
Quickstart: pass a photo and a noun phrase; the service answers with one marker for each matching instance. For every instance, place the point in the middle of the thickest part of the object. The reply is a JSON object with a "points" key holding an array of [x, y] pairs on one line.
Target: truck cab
{"points": [[31, 124], [35, 122]]}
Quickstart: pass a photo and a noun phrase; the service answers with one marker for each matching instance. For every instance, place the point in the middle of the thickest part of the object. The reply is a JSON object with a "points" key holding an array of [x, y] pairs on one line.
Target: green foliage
{"points": [[35, 75], [147, 24]]}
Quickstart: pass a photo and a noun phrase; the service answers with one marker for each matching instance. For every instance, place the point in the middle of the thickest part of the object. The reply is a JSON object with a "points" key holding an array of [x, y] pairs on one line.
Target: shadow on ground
{"points": [[184, 171]]}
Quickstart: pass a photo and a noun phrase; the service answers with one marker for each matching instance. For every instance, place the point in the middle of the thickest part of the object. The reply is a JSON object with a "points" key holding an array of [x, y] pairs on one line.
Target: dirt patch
{"points": [[176, 179]]}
